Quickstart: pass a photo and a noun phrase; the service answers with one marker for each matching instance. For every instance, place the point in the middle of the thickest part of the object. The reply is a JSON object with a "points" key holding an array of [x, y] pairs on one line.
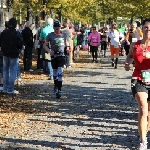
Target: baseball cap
{"points": [[57, 24]]}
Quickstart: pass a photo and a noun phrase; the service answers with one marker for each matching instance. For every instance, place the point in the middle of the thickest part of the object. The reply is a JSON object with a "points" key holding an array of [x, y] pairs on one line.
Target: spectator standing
{"points": [[11, 49], [21, 27], [86, 34], [1, 62], [1, 71], [28, 42], [39, 45], [47, 66]]}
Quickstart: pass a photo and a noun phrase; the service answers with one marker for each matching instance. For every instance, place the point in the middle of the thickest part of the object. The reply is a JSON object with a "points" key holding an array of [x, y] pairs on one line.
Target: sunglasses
{"points": [[57, 26]]}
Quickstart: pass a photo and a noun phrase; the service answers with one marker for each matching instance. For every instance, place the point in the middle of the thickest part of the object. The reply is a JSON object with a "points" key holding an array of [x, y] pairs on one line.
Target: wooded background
{"points": [[85, 11]]}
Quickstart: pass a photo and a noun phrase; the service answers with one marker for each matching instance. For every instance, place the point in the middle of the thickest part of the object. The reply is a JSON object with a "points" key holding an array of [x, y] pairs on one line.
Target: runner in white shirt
{"points": [[114, 36]]}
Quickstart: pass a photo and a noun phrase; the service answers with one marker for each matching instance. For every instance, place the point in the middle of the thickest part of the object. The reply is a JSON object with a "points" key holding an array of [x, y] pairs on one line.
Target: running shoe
{"points": [[143, 145], [96, 61], [112, 64], [14, 93], [30, 70], [20, 82], [55, 90], [58, 94]]}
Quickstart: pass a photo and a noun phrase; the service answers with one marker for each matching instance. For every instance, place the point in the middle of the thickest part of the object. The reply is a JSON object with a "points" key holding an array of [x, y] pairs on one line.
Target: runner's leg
{"points": [[140, 93], [117, 50], [112, 52]]}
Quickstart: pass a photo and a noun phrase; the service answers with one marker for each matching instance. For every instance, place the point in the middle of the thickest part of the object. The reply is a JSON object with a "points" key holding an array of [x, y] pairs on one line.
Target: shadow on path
{"points": [[104, 106]]}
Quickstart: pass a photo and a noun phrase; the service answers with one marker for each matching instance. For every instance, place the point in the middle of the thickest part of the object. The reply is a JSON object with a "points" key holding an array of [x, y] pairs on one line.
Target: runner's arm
{"points": [[45, 45], [89, 37], [68, 46], [127, 38], [99, 37], [129, 60]]}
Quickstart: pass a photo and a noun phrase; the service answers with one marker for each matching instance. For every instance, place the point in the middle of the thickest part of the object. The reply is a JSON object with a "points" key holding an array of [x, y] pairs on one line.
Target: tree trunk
{"points": [[28, 13], [131, 19], [43, 12], [141, 19]]}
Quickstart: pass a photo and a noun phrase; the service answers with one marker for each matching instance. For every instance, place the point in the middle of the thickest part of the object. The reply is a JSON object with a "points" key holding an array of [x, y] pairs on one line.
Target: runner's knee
{"points": [[59, 73]]}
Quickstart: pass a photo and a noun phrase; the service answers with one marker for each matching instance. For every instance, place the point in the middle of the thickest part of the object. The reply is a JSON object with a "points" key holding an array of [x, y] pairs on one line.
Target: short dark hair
{"points": [[145, 20], [94, 27], [12, 23]]}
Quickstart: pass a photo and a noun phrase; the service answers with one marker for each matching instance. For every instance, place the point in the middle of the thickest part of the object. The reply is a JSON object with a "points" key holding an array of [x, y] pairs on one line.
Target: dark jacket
{"points": [[79, 39], [11, 42], [27, 37], [1, 59]]}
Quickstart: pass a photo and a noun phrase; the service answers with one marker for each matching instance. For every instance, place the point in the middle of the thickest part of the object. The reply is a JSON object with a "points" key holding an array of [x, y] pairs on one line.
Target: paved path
{"points": [[96, 111]]}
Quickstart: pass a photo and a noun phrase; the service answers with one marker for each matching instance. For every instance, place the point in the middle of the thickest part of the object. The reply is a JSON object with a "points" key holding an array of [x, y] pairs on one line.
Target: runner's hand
{"points": [[127, 67], [146, 54], [128, 42], [68, 49]]}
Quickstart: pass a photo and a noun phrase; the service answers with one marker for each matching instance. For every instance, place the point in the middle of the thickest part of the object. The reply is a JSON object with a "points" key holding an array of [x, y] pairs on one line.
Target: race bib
{"points": [[116, 45], [103, 39], [59, 42], [146, 76], [134, 39]]}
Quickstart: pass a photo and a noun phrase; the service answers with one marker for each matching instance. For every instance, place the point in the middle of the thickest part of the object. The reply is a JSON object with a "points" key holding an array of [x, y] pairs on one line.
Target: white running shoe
{"points": [[143, 146], [15, 92], [20, 82], [31, 70]]}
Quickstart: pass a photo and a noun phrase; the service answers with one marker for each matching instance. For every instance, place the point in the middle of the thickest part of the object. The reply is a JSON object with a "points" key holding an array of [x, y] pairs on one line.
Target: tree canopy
{"points": [[86, 10]]}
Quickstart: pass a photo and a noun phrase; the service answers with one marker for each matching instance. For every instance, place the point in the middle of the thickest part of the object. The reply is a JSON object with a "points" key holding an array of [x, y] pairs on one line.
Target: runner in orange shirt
{"points": [[133, 35]]}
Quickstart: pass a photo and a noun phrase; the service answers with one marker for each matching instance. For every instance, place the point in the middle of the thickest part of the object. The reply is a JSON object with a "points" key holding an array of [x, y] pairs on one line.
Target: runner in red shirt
{"points": [[140, 83]]}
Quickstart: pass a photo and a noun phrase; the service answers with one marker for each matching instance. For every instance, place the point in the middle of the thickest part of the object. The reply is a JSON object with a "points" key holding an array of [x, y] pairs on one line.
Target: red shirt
{"points": [[141, 63]]}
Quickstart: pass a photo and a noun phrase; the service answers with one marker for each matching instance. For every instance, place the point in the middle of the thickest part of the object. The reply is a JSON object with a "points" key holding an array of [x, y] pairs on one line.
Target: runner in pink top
{"points": [[94, 39]]}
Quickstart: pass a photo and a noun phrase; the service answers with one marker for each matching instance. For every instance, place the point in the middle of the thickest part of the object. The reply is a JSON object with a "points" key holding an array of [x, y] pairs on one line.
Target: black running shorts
{"points": [[58, 62], [139, 86]]}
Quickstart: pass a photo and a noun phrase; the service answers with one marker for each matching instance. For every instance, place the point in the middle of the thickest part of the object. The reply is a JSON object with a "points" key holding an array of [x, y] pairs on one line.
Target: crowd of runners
{"points": [[58, 45]]}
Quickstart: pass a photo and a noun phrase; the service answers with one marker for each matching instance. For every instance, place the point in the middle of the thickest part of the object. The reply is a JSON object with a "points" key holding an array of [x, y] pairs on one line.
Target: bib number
{"points": [[134, 39], [59, 42], [146, 76]]}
